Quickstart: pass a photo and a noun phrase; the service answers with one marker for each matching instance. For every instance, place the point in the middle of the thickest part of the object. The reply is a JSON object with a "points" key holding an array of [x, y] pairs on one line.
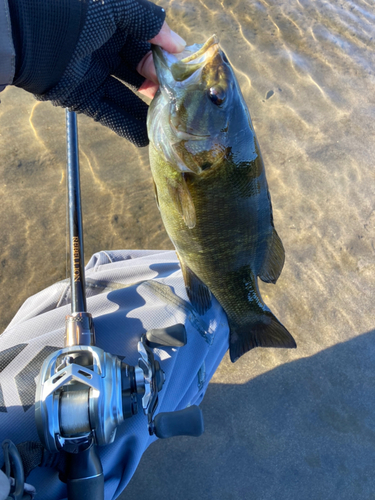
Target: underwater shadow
{"points": [[304, 430]]}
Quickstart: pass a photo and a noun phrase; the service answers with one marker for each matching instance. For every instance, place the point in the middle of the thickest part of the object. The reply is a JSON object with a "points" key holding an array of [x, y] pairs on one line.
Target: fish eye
{"points": [[216, 95]]}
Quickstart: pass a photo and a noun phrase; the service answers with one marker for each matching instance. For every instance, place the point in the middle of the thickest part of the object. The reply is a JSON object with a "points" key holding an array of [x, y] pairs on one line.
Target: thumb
{"points": [[169, 40]]}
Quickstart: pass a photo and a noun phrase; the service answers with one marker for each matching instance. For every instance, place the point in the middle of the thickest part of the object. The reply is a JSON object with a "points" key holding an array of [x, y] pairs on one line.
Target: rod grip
{"points": [[85, 479]]}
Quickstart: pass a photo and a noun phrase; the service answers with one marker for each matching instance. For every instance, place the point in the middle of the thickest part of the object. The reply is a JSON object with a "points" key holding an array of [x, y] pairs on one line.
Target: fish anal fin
{"points": [[274, 260], [264, 330], [183, 201], [199, 294]]}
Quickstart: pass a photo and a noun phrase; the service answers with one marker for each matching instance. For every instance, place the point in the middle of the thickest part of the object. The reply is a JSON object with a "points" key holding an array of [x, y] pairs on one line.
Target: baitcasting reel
{"points": [[84, 393]]}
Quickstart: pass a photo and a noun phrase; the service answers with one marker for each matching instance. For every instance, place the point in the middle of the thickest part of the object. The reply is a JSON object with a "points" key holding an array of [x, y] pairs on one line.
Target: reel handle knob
{"points": [[172, 336], [187, 422]]}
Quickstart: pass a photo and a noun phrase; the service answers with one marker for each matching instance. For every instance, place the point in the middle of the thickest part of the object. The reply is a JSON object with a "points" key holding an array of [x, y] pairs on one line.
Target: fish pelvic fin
{"points": [[264, 330], [274, 260], [199, 294]]}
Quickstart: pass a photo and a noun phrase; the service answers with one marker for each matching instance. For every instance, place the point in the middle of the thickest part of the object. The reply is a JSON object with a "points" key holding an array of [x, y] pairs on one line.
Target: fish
{"points": [[212, 193]]}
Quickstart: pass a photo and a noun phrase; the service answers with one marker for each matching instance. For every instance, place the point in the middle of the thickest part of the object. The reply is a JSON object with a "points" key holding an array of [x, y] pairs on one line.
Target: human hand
{"points": [[169, 41], [77, 53]]}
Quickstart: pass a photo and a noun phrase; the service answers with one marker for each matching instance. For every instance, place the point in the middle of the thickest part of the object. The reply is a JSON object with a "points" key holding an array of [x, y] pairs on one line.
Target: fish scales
{"points": [[212, 192]]}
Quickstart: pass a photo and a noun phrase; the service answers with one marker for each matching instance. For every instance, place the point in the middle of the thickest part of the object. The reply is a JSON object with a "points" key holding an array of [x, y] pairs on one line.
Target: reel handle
{"points": [[171, 336], [187, 422]]}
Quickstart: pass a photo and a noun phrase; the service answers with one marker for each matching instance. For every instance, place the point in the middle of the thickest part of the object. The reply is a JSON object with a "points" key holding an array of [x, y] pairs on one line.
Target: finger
{"points": [[148, 89], [133, 51], [169, 40], [132, 78], [140, 18], [146, 68], [117, 107], [109, 54]]}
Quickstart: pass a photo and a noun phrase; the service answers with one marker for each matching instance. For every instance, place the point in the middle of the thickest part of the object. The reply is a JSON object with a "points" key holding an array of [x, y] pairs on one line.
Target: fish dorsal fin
{"points": [[198, 293], [274, 260], [183, 201]]}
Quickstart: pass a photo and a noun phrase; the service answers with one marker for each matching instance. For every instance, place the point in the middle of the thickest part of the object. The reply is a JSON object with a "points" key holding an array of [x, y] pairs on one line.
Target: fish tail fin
{"points": [[263, 330]]}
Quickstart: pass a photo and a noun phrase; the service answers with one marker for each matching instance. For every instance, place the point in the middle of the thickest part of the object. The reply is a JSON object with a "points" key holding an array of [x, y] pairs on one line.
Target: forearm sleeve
{"points": [[7, 54], [45, 34]]}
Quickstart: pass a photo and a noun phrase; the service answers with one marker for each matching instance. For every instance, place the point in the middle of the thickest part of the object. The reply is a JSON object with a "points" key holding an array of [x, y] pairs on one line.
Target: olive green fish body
{"points": [[212, 193]]}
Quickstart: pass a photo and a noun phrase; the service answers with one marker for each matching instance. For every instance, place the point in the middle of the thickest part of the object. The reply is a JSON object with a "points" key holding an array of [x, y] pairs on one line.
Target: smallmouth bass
{"points": [[212, 192]]}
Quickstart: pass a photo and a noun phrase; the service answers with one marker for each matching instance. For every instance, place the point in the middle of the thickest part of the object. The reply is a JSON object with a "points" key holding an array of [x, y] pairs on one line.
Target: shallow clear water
{"points": [[306, 69]]}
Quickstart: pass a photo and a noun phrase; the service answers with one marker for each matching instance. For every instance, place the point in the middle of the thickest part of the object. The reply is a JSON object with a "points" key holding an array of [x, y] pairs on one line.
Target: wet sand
{"points": [[279, 424]]}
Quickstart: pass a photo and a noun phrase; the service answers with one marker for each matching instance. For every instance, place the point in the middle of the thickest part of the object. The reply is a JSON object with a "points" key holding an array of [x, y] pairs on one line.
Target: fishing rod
{"points": [[84, 472], [77, 270], [84, 393]]}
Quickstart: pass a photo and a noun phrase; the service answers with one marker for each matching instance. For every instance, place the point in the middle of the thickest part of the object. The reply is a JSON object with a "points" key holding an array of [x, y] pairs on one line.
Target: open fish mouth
{"points": [[195, 60], [174, 68]]}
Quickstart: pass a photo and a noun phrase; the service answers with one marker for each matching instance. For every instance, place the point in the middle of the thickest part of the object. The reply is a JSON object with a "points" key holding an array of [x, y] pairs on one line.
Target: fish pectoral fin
{"points": [[199, 294], [274, 260], [183, 201], [264, 330]]}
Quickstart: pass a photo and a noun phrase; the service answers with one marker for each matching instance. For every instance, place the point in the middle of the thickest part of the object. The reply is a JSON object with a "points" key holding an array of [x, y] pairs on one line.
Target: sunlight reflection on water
{"points": [[306, 70]]}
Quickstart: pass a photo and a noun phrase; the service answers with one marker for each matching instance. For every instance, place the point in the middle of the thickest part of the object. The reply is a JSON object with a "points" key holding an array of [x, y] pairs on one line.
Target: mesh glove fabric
{"points": [[74, 52]]}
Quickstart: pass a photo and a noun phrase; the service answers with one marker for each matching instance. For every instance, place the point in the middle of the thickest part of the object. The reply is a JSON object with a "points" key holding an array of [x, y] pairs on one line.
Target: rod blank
{"points": [[77, 270]]}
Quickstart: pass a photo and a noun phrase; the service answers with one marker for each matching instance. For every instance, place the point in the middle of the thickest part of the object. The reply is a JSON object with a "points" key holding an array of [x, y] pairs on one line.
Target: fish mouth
{"points": [[202, 51], [174, 68], [187, 66]]}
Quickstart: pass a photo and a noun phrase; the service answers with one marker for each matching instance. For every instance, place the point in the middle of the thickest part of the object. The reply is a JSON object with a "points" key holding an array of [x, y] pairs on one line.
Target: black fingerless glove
{"points": [[73, 53]]}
